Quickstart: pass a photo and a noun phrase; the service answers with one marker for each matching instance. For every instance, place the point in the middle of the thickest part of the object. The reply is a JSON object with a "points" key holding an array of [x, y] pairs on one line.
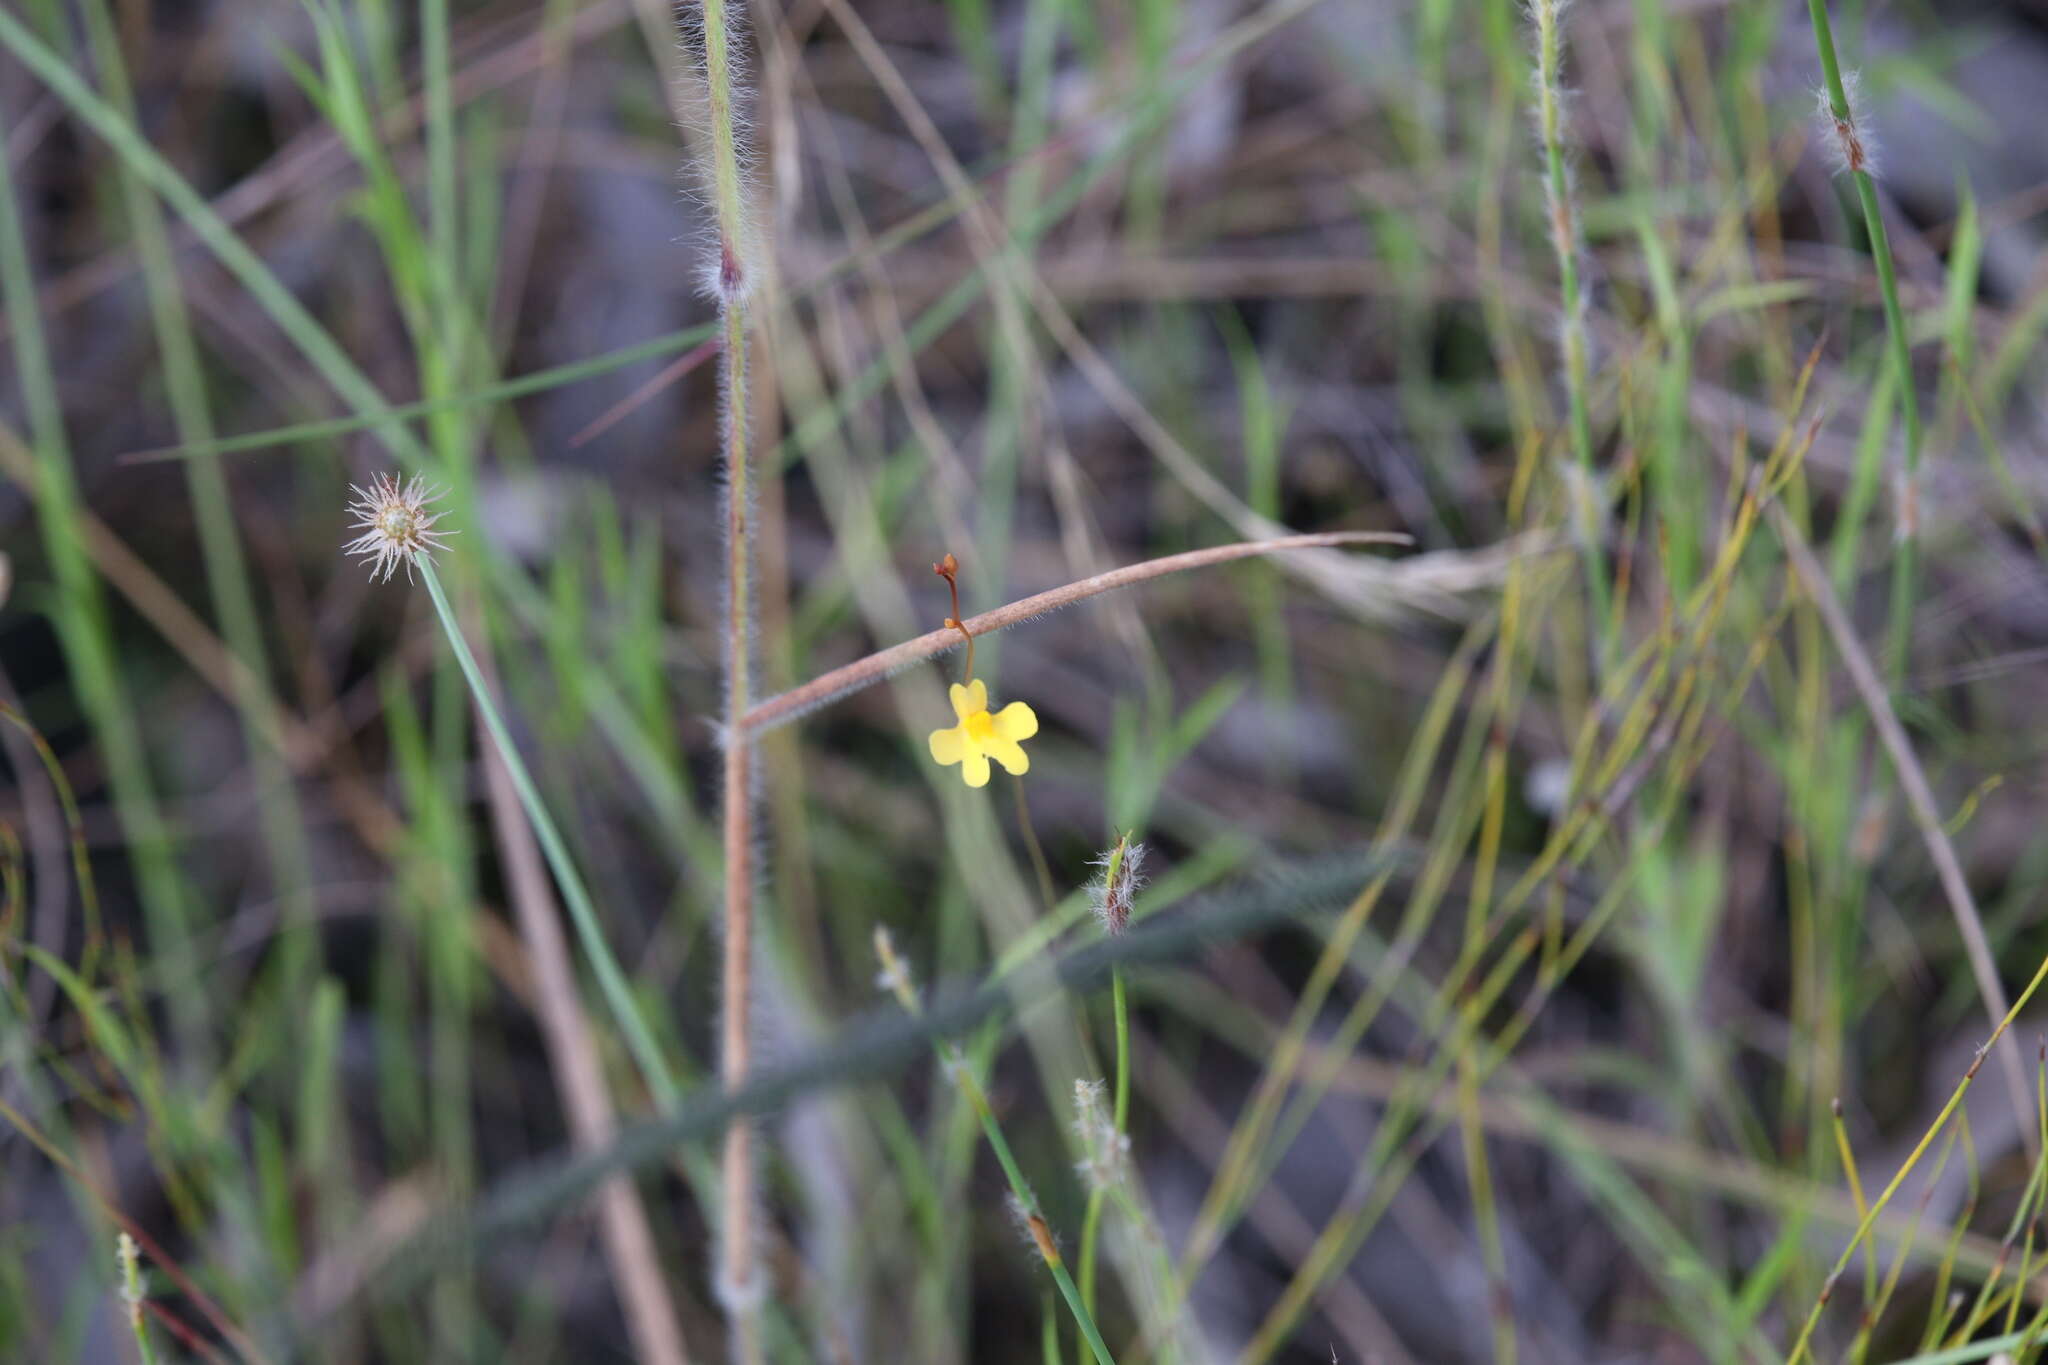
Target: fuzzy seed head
{"points": [[1906, 502], [395, 525], [1850, 146], [894, 977], [1032, 1227], [1105, 1152], [1586, 504], [1114, 892], [131, 1276]]}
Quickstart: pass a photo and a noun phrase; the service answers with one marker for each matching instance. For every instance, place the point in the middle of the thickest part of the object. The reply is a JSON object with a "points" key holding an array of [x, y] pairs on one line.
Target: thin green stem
{"points": [[1853, 155], [610, 979], [80, 616], [1883, 1200], [1027, 1205], [896, 977], [1122, 1111], [1091, 1222], [220, 547], [131, 1291]]}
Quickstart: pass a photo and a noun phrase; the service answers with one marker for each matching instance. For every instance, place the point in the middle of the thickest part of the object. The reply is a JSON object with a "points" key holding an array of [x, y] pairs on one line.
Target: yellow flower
{"points": [[980, 736]]}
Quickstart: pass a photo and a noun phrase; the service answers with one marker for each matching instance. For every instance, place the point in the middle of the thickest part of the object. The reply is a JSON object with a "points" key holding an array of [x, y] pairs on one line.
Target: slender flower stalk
{"points": [[1113, 896], [895, 978], [610, 979], [1852, 151], [1562, 210], [739, 1280], [866, 672]]}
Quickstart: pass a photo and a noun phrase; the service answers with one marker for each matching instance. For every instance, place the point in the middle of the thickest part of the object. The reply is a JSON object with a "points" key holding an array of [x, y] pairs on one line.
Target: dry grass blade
{"points": [[579, 1075], [828, 687], [1920, 798]]}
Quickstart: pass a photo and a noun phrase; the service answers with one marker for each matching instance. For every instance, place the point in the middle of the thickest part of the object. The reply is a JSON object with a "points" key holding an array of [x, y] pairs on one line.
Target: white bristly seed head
{"points": [[131, 1275], [894, 977], [1849, 144], [1113, 893], [1104, 1151], [395, 524]]}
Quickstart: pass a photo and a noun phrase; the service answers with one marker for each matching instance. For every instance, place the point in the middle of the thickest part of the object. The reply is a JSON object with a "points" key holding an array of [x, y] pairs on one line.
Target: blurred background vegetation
{"points": [[1619, 879]]}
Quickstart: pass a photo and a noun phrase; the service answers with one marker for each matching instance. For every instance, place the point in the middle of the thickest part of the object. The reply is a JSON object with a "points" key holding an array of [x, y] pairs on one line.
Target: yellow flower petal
{"points": [[969, 699], [1008, 753], [974, 767], [1014, 722], [949, 746]]}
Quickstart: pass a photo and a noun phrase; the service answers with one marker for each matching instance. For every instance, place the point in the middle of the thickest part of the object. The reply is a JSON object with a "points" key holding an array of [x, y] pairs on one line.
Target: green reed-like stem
{"points": [[1027, 1206], [896, 977], [131, 1294], [1091, 1221], [610, 979], [1855, 158], [1884, 1199]]}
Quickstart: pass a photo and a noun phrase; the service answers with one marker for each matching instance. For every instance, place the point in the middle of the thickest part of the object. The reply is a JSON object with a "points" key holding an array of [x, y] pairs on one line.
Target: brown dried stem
{"points": [[1920, 800], [579, 1076], [829, 687]]}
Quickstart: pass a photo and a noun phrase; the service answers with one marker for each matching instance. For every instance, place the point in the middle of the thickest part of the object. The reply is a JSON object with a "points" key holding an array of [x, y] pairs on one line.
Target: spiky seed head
{"points": [[395, 524], [1117, 888]]}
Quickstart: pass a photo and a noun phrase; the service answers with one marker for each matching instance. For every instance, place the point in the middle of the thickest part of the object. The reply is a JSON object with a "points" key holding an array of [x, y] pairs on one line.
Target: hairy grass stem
{"points": [[1562, 215], [740, 1282], [866, 672]]}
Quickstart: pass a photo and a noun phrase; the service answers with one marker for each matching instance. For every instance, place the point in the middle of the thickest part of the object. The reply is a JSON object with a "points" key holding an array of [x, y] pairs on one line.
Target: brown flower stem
{"points": [[840, 682], [949, 569], [739, 1267], [967, 673]]}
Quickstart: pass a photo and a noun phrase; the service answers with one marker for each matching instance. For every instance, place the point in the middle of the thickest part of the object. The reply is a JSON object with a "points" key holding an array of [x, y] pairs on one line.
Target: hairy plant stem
{"points": [[737, 1257], [610, 979], [1903, 563], [739, 1276], [1564, 242], [873, 668]]}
